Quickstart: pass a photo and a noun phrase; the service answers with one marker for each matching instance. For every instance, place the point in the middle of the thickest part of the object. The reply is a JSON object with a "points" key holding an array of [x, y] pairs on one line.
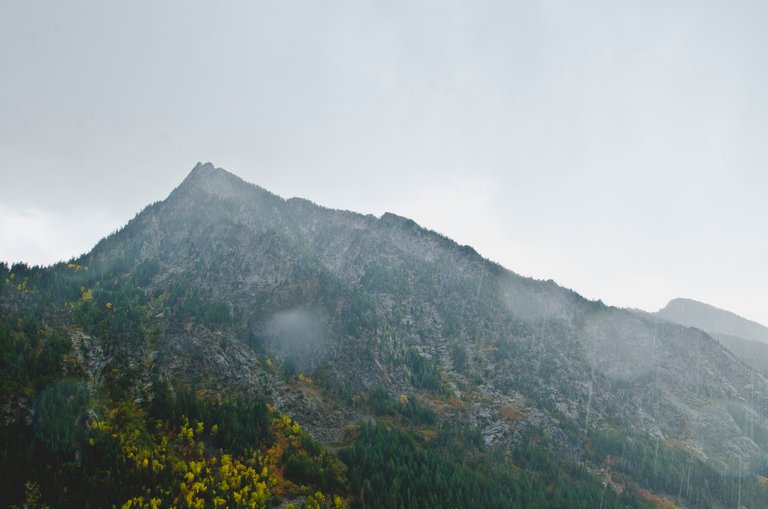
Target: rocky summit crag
{"points": [[338, 318]]}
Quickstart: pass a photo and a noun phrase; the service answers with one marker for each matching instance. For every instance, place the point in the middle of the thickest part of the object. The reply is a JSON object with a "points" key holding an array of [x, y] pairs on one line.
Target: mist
{"points": [[300, 338]]}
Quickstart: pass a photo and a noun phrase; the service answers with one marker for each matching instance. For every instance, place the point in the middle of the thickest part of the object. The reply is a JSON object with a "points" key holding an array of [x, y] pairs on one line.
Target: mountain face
{"points": [[747, 340], [713, 320], [752, 353], [336, 318]]}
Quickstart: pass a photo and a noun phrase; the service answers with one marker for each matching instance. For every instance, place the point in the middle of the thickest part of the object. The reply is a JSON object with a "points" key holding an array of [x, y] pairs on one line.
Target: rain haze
{"points": [[615, 147]]}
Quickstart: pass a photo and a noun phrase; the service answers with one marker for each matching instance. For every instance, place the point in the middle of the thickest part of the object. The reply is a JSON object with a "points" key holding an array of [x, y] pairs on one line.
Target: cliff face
{"points": [[326, 312]]}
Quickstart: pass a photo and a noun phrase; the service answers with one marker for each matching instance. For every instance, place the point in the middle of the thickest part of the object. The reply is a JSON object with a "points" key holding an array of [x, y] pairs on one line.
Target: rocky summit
{"points": [[374, 363]]}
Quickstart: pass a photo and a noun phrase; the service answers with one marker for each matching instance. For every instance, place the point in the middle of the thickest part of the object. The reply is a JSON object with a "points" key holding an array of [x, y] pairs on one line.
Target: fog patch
{"points": [[536, 301], [621, 347], [299, 337]]}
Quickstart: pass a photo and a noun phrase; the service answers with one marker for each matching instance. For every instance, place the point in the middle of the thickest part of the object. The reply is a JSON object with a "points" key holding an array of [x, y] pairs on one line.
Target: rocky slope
{"points": [[332, 314], [349, 297], [708, 318], [746, 339]]}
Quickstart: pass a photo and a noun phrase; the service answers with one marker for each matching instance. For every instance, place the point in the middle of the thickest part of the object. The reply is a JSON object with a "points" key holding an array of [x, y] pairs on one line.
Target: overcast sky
{"points": [[619, 148]]}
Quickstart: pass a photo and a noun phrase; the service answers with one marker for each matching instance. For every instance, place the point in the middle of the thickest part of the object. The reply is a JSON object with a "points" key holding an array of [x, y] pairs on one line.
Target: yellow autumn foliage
{"points": [[200, 477]]}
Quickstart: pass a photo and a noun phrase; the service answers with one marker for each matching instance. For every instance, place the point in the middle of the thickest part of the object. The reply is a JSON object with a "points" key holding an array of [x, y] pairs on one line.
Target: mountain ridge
{"points": [[709, 318], [543, 300], [338, 318], [747, 339]]}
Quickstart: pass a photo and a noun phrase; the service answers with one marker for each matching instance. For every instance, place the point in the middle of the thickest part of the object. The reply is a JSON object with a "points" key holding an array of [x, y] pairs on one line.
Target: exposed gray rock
{"points": [[348, 299]]}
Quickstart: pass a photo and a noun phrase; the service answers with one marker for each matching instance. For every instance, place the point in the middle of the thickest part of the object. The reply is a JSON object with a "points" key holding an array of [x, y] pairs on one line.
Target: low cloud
{"points": [[300, 336]]}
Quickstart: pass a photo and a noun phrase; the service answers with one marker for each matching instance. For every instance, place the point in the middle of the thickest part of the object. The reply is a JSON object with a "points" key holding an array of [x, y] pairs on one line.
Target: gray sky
{"points": [[619, 148]]}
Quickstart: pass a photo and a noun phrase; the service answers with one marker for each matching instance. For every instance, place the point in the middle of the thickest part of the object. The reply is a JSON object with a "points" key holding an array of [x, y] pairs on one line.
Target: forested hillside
{"points": [[229, 348]]}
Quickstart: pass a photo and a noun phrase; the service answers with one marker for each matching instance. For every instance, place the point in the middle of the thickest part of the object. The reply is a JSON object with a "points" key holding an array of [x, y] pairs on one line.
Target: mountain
{"points": [[423, 374], [708, 318], [751, 352], [747, 340]]}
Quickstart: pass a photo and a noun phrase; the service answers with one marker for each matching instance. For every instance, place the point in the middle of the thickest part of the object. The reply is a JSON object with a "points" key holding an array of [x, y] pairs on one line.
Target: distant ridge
{"points": [[713, 320]]}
